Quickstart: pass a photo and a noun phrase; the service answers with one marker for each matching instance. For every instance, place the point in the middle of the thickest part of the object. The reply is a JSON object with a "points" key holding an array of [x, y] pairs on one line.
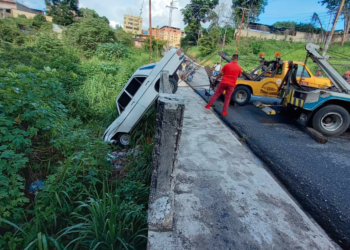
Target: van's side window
{"points": [[135, 84], [130, 91]]}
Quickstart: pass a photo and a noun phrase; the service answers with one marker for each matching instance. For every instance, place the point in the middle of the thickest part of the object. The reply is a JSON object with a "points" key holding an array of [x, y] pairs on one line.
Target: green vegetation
{"points": [[194, 13], [256, 7], [56, 99], [62, 11], [302, 27], [250, 48]]}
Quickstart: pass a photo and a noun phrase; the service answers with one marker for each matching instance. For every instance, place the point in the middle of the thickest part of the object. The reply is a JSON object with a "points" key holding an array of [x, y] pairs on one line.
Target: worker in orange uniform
{"points": [[230, 73]]}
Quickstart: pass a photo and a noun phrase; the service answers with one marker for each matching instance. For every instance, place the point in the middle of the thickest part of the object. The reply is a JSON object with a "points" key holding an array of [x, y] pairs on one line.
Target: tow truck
{"points": [[267, 82], [325, 109]]}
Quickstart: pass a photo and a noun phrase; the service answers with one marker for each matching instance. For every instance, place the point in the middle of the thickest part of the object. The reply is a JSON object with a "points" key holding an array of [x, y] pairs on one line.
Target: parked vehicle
{"points": [[139, 93]]}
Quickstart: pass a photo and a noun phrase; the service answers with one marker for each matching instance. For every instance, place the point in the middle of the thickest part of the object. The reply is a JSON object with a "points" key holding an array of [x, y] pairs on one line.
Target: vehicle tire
{"points": [[241, 95], [123, 139], [331, 120], [173, 84]]}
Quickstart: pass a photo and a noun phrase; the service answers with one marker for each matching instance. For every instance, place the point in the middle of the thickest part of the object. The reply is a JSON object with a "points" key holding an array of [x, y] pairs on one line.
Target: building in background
{"points": [[133, 24], [155, 33], [11, 8], [174, 38]]}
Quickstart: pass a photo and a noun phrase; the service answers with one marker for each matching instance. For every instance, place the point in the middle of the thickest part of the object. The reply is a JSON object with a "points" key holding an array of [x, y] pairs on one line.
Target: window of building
{"points": [[128, 27]]}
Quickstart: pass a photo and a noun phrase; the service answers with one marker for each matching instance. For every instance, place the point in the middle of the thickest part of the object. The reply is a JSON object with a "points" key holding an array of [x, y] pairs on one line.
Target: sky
{"points": [[276, 10]]}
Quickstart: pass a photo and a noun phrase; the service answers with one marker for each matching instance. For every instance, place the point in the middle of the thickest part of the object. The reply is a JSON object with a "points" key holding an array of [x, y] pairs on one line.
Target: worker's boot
{"points": [[207, 106], [224, 113]]}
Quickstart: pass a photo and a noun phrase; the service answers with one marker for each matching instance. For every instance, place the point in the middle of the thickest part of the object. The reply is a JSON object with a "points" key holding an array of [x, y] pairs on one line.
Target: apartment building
{"points": [[171, 34], [11, 8], [133, 24], [155, 33]]}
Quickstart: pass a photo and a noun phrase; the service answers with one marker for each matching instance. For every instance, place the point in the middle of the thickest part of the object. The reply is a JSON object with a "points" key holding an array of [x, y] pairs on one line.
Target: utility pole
{"points": [[240, 29], [329, 38], [329, 23], [150, 32], [199, 31], [157, 35], [171, 7]]}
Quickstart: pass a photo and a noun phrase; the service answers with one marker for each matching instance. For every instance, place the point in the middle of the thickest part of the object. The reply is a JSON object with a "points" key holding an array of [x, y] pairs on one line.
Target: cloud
{"points": [[115, 10], [113, 23]]}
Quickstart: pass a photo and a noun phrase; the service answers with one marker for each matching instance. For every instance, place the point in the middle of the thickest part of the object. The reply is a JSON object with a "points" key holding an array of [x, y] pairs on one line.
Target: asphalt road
{"points": [[317, 175]]}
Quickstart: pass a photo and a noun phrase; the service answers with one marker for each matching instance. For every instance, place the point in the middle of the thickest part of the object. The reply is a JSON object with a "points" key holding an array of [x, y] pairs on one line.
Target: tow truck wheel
{"points": [[123, 139], [241, 95], [331, 120]]}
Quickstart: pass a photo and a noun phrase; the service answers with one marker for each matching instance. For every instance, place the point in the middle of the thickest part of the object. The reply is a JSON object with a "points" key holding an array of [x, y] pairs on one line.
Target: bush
{"points": [[207, 45], [88, 33], [48, 42], [112, 51], [39, 20], [256, 47]]}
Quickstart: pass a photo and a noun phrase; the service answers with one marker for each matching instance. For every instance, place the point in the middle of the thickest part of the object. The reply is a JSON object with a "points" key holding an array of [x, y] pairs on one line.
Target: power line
{"points": [[143, 2]]}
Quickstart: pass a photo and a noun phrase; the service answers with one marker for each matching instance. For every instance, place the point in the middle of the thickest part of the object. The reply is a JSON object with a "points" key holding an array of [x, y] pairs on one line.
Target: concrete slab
{"points": [[224, 199]]}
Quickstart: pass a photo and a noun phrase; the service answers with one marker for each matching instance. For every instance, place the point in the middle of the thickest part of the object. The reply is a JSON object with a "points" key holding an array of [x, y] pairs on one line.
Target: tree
{"points": [[62, 11], [160, 44], [332, 5], [207, 45], [256, 7], [88, 13], [196, 12], [124, 37], [39, 20], [88, 33]]}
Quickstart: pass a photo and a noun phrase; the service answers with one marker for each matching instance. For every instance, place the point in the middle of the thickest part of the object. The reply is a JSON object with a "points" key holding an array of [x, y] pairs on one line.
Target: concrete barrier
{"points": [[170, 111]]}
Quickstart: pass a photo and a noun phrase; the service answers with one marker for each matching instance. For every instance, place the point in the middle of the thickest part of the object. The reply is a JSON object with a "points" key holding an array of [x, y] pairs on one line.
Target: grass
{"points": [[249, 49]]}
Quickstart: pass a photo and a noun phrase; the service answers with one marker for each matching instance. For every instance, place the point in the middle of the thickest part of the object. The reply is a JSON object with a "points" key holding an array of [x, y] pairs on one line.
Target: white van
{"points": [[139, 93]]}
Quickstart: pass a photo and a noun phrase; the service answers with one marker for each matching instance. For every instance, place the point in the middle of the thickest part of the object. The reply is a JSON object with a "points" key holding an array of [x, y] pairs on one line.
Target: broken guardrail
{"points": [[170, 112]]}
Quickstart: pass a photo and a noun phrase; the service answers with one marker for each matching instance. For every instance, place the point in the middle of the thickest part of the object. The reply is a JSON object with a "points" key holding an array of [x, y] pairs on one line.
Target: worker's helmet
{"points": [[347, 73]]}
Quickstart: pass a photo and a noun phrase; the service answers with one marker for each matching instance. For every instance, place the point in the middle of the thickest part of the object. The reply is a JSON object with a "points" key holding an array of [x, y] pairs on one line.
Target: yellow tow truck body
{"points": [[268, 86]]}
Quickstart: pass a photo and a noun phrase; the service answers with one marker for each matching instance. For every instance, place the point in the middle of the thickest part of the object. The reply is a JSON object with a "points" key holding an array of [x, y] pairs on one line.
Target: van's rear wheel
{"points": [[123, 139], [331, 120], [173, 84], [241, 95]]}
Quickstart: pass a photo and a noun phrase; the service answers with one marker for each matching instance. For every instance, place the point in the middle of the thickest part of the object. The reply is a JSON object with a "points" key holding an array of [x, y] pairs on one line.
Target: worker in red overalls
{"points": [[230, 73]]}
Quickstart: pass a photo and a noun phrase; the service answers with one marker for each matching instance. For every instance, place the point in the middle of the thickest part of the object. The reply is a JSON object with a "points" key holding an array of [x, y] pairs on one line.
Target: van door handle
{"points": [[132, 103]]}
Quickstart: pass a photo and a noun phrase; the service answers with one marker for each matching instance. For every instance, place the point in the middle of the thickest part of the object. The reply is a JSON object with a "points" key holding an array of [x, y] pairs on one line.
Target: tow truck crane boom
{"points": [[337, 80]]}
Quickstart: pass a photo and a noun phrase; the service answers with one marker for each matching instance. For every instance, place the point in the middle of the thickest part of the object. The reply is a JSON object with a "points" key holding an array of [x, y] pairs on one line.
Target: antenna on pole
{"points": [[171, 7]]}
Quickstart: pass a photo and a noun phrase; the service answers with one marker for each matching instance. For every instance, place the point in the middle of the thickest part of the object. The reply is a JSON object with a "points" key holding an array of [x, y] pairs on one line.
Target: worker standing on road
{"points": [[217, 68], [230, 73]]}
